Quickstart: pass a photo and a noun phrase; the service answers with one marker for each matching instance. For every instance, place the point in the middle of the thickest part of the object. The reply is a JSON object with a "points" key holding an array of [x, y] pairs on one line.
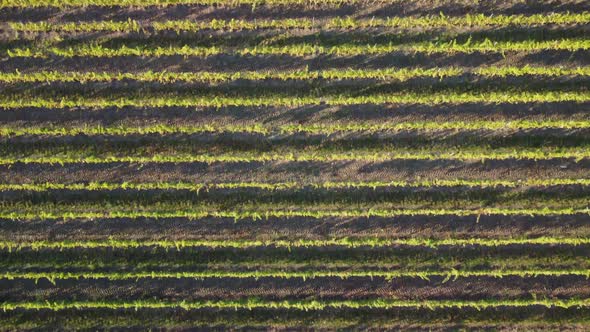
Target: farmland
{"points": [[294, 164]]}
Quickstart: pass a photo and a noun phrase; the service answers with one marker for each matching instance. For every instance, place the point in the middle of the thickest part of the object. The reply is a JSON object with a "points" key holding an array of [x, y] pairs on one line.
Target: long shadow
{"points": [[457, 9], [230, 62], [301, 172], [195, 259], [402, 197], [236, 142], [320, 87], [507, 34], [276, 116], [277, 289], [384, 9], [257, 143], [362, 318], [288, 89], [248, 39]]}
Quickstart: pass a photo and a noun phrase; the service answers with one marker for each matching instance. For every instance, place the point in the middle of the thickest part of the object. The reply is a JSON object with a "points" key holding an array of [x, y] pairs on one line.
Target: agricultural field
{"points": [[295, 164]]}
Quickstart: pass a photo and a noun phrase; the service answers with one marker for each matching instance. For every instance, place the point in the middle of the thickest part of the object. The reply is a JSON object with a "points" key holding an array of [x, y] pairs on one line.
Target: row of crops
{"points": [[293, 164]]}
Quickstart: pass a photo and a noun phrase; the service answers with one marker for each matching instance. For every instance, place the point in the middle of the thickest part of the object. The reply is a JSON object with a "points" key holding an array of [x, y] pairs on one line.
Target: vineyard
{"points": [[294, 165]]}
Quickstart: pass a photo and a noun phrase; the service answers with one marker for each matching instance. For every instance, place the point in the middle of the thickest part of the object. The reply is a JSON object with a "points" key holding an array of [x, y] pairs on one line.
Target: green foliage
{"points": [[426, 275], [409, 22], [551, 247], [323, 129], [469, 20], [531, 70], [303, 50], [407, 97], [399, 74], [44, 26], [483, 183], [341, 242], [506, 204], [251, 303]]}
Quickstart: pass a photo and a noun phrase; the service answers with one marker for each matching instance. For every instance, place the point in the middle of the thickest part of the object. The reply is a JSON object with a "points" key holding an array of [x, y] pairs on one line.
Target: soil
{"points": [[304, 259]]}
